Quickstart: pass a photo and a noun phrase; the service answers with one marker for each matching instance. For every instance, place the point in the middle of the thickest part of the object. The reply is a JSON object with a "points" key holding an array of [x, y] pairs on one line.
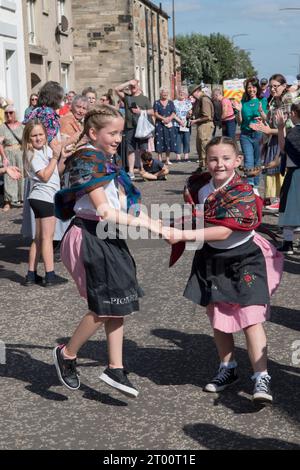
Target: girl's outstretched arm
{"points": [[208, 234], [109, 214]]}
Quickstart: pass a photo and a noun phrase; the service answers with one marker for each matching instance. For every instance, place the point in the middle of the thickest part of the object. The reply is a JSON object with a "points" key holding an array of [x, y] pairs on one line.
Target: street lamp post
{"points": [[174, 47], [237, 35]]}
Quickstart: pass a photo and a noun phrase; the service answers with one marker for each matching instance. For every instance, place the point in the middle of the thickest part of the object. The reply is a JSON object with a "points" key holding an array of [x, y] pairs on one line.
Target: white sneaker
{"points": [[131, 176]]}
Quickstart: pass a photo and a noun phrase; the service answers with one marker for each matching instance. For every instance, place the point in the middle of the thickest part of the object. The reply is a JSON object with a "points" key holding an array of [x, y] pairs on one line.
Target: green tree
{"points": [[212, 59], [243, 65], [198, 62]]}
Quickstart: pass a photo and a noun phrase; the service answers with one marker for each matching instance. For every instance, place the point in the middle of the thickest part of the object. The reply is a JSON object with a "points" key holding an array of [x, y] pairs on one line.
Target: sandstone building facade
{"points": [[116, 40]]}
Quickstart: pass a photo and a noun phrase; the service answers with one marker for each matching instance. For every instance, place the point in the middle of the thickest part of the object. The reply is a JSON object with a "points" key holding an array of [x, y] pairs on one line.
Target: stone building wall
{"points": [[151, 49], [103, 43], [117, 40]]}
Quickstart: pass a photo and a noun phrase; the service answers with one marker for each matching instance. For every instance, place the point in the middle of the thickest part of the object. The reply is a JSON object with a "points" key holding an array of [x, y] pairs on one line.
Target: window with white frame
{"points": [[60, 9], [64, 76], [31, 21], [45, 5]]}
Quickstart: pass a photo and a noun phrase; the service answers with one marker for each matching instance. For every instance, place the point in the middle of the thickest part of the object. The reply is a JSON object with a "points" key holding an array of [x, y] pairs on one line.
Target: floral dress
{"points": [[49, 118], [165, 137]]}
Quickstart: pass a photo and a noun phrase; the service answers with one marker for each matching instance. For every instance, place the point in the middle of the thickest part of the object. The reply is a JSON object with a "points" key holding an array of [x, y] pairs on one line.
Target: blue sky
{"points": [[272, 35]]}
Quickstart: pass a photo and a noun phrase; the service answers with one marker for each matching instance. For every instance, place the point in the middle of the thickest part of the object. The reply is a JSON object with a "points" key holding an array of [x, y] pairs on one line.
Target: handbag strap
{"points": [[12, 132]]}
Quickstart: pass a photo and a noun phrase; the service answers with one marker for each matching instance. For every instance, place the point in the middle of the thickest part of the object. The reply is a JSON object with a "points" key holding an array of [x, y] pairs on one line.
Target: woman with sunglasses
{"points": [[33, 102], [10, 152]]}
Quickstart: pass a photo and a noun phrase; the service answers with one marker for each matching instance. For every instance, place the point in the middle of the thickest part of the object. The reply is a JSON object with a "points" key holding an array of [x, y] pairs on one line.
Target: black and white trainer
{"points": [[224, 378], [117, 378], [262, 390], [66, 369]]}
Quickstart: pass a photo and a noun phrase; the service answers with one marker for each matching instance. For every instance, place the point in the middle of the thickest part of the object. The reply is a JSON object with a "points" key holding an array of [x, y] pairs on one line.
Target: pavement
{"points": [[169, 351]]}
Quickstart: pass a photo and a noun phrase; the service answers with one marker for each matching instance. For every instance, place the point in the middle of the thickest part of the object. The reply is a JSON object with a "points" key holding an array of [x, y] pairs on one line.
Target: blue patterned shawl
{"points": [[88, 169]]}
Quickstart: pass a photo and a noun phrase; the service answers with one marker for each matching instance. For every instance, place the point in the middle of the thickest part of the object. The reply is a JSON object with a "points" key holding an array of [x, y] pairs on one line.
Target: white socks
{"points": [[228, 365], [257, 375]]}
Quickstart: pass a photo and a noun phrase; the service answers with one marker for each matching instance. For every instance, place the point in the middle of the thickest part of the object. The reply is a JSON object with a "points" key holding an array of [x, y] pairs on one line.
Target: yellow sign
{"points": [[234, 89]]}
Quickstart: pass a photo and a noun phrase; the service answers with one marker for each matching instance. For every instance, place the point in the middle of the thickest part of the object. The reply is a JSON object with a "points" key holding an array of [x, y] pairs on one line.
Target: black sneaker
{"points": [[224, 378], [118, 379], [66, 369], [30, 281], [54, 281], [287, 248], [262, 391]]}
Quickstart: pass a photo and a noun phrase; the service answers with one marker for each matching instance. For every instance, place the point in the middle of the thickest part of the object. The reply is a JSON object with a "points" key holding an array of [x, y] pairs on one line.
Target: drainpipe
{"points": [[148, 53], [153, 61], [158, 45]]}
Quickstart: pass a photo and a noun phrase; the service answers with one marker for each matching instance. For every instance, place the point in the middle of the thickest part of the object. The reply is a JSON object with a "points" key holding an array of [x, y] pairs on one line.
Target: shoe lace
{"points": [[70, 365], [262, 383], [223, 374]]}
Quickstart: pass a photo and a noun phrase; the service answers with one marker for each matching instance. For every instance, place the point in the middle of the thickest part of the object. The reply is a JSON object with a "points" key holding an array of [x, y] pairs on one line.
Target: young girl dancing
{"points": [[102, 267], [236, 270], [41, 166]]}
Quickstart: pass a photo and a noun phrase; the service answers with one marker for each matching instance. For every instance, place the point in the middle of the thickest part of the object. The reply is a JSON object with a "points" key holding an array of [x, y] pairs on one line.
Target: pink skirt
{"points": [[231, 318], [71, 255]]}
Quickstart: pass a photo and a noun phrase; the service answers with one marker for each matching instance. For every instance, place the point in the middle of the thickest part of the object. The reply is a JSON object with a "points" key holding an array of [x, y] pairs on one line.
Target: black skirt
{"points": [[112, 286], [236, 276]]}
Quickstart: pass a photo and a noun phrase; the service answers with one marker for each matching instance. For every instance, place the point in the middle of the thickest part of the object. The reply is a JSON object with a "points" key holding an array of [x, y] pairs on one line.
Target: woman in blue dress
{"points": [[165, 135]]}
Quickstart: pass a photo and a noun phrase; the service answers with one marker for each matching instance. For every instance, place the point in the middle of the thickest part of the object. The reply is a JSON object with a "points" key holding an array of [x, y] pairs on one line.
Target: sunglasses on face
{"points": [[9, 112], [274, 86], [34, 99]]}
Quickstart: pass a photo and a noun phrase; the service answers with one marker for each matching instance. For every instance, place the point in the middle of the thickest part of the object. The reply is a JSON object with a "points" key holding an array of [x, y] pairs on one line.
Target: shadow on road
{"points": [[11, 275], [14, 249], [286, 317], [183, 359], [214, 437], [41, 376], [292, 265], [193, 360]]}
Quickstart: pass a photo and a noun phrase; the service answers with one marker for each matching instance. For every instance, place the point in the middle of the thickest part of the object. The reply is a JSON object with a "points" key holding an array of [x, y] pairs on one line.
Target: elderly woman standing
{"points": [[71, 124], [10, 150], [183, 107], [165, 136]]}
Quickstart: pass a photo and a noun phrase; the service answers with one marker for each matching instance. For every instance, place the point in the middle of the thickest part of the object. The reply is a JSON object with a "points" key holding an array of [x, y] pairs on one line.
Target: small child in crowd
{"points": [[41, 166]]}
